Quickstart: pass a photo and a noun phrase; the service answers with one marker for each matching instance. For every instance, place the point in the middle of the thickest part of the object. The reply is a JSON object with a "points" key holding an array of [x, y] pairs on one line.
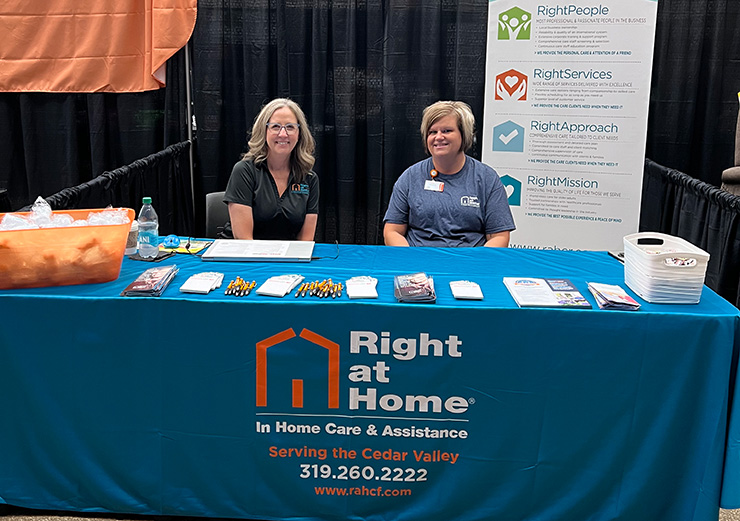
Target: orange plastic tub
{"points": [[62, 256]]}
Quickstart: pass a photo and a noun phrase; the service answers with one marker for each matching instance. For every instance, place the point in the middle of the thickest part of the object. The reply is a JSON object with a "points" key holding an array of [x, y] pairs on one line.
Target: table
{"points": [[306, 409]]}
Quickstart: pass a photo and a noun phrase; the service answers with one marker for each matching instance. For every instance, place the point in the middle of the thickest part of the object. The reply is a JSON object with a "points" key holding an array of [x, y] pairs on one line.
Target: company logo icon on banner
{"points": [[508, 137], [513, 189], [511, 84], [332, 370], [514, 24]]}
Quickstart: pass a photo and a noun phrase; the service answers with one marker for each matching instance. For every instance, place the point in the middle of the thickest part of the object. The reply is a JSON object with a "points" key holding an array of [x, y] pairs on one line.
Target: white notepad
{"points": [[279, 286], [202, 282], [361, 287], [466, 290]]}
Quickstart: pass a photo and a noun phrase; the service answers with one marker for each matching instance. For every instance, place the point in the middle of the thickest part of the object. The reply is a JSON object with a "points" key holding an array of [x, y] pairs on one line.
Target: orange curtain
{"points": [[90, 45]]}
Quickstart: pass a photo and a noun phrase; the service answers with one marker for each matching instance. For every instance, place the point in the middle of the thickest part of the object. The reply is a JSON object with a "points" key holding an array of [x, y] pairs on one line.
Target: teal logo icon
{"points": [[514, 24], [508, 137], [513, 189]]}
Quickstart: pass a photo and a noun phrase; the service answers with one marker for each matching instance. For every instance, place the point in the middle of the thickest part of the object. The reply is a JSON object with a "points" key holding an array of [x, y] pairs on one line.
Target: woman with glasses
{"points": [[272, 192], [448, 199]]}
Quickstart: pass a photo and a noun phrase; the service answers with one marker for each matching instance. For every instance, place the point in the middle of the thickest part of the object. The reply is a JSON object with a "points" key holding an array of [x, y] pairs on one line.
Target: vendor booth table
{"points": [[334, 409]]}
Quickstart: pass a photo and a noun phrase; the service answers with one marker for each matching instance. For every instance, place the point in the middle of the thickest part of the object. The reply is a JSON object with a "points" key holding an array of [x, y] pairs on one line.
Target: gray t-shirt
{"points": [[472, 204]]}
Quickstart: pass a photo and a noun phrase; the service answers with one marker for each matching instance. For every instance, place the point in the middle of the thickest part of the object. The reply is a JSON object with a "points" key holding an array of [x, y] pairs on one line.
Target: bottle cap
{"points": [[147, 200]]}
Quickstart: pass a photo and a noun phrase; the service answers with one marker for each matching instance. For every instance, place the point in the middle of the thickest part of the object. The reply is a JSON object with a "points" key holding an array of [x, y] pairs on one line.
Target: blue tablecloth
{"points": [[299, 408]]}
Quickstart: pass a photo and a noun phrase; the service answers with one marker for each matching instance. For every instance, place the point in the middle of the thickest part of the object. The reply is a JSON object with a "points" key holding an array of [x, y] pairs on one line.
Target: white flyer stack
{"points": [[665, 269]]}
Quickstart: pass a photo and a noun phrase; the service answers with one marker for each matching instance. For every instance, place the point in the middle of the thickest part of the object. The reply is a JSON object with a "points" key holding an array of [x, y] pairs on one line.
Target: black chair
{"points": [[217, 213]]}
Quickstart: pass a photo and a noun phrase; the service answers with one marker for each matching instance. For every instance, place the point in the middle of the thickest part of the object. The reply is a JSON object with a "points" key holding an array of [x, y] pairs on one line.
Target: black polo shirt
{"points": [[275, 216]]}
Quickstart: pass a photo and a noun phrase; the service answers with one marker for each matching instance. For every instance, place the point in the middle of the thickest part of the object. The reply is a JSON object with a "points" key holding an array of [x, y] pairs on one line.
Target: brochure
{"points": [[151, 283], [530, 292], [187, 246], [612, 296], [415, 287]]}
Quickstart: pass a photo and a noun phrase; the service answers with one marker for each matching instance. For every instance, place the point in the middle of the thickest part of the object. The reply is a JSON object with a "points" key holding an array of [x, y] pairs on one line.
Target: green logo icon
{"points": [[514, 24]]}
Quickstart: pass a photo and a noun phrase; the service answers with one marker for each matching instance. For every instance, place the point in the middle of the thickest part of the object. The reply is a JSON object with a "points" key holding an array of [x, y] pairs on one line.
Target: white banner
{"points": [[567, 93]]}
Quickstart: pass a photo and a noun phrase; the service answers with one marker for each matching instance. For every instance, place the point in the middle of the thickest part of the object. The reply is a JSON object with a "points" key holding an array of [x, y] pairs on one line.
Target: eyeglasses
{"points": [[290, 128]]}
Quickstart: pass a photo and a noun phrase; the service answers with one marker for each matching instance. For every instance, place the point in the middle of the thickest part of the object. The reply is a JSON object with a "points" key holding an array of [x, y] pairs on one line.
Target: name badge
{"points": [[434, 186]]}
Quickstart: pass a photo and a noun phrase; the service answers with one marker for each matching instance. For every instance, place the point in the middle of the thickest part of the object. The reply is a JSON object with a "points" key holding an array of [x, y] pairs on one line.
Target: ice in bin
{"points": [[62, 256]]}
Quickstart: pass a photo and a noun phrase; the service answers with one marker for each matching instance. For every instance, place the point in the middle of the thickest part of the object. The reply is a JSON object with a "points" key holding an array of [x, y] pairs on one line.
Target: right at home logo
{"points": [[332, 369], [369, 382]]}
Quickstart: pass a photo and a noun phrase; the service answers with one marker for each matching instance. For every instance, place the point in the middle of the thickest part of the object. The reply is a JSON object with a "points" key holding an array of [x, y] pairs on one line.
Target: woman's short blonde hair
{"points": [[461, 111], [301, 159]]}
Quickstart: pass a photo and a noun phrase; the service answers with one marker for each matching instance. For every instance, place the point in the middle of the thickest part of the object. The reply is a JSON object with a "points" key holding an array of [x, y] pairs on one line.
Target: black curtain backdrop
{"points": [[704, 215], [695, 84], [50, 141], [165, 173], [363, 72]]}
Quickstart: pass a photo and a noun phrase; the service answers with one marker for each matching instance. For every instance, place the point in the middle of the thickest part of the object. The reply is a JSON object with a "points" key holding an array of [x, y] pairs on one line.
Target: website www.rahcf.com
{"points": [[361, 491]]}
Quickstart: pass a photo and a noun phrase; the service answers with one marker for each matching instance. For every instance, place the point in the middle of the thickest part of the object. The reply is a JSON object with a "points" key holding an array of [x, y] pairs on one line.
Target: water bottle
{"points": [[148, 240]]}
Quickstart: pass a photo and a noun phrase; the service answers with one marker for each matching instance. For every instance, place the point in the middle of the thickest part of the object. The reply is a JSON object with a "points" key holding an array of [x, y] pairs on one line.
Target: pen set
{"points": [[240, 287], [321, 289]]}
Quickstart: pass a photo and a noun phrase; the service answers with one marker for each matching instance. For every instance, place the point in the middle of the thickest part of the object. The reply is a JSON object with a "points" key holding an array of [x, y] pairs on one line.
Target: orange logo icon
{"points": [[297, 384], [511, 84]]}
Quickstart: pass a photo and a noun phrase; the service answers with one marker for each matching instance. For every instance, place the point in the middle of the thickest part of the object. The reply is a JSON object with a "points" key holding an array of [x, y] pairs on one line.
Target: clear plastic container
{"points": [[62, 256], [662, 268]]}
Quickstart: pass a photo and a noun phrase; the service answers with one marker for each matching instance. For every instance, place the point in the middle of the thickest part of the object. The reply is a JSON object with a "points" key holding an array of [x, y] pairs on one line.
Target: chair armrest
{"points": [[731, 180], [731, 175]]}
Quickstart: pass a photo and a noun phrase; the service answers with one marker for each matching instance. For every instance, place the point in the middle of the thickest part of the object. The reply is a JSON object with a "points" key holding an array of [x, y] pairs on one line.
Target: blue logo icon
{"points": [[513, 189], [508, 137]]}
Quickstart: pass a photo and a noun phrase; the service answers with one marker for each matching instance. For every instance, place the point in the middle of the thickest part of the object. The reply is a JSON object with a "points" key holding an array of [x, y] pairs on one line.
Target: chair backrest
{"points": [[731, 176], [217, 213], [5, 202], [731, 180]]}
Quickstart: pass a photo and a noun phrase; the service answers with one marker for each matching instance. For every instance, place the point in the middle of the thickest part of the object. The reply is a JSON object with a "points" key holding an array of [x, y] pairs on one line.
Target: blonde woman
{"points": [[272, 192], [448, 199]]}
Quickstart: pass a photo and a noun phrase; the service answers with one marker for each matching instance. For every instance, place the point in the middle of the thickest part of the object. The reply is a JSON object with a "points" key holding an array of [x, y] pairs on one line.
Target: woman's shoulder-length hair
{"points": [[302, 158]]}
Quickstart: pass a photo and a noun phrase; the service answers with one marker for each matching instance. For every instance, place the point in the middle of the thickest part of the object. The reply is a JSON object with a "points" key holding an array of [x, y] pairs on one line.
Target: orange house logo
{"points": [[511, 84], [332, 376]]}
